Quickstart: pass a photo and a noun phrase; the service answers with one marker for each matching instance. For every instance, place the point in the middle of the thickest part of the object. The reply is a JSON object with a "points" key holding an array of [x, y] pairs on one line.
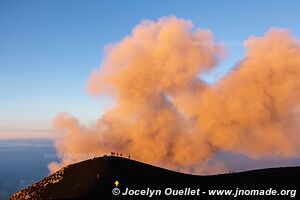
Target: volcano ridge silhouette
{"points": [[95, 179]]}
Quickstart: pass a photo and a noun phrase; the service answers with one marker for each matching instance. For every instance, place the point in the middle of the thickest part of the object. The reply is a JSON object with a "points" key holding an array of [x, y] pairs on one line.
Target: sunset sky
{"points": [[48, 49]]}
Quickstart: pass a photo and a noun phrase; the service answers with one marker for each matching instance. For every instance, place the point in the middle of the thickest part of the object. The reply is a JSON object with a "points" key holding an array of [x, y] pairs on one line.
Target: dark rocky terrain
{"points": [[95, 179]]}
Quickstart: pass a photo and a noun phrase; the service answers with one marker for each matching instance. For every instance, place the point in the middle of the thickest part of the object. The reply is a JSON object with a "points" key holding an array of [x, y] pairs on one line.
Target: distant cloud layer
{"points": [[27, 134], [165, 115]]}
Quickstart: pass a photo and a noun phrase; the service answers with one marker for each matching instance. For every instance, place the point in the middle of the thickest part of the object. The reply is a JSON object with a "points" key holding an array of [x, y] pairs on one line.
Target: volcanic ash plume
{"points": [[165, 115], [255, 109]]}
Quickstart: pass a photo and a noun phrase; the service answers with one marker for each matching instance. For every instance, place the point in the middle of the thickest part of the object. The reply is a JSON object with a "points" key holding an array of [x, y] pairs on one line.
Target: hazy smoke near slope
{"points": [[166, 115]]}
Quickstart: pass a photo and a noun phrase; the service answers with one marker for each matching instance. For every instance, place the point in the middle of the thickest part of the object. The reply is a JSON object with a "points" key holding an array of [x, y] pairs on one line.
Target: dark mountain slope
{"points": [[95, 178]]}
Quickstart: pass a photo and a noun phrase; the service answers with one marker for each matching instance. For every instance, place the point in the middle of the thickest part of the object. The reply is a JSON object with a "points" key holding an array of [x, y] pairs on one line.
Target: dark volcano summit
{"points": [[99, 178]]}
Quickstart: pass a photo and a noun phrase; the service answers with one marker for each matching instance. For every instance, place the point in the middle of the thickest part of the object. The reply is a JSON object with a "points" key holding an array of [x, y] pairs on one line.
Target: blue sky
{"points": [[49, 47]]}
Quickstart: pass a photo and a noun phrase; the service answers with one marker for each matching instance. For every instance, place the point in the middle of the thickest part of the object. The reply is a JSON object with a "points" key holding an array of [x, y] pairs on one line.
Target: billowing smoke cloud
{"points": [[165, 115], [255, 109]]}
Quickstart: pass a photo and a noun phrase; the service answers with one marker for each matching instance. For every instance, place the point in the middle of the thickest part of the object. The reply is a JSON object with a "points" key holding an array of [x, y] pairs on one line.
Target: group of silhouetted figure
{"points": [[111, 154], [116, 154]]}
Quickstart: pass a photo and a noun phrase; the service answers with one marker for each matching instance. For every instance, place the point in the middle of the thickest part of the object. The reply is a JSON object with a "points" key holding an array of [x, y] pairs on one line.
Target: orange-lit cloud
{"points": [[255, 110], [166, 115]]}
